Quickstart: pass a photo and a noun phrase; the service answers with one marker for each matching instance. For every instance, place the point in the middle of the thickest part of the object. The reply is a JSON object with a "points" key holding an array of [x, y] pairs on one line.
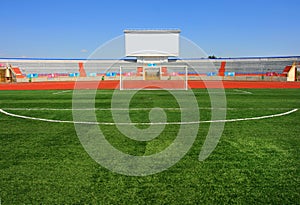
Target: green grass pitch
{"points": [[255, 162]]}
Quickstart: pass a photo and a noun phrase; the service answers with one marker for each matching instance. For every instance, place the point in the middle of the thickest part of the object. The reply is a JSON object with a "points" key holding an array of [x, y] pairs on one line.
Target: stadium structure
{"points": [[150, 55]]}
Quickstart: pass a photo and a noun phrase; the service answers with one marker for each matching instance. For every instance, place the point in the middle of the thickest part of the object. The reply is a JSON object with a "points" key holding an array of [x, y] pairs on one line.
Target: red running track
{"points": [[115, 84]]}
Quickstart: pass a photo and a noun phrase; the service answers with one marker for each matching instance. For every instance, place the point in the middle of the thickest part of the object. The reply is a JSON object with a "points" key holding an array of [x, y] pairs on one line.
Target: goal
{"points": [[153, 77]]}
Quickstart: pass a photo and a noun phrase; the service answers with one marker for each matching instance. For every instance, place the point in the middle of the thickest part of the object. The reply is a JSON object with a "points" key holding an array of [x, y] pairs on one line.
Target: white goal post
{"points": [[167, 77]]}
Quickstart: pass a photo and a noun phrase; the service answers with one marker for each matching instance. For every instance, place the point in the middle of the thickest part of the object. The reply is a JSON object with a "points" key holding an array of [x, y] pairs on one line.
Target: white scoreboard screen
{"points": [[152, 42]]}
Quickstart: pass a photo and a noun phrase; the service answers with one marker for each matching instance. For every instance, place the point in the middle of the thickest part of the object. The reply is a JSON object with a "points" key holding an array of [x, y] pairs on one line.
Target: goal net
{"points": [[153, 77]]}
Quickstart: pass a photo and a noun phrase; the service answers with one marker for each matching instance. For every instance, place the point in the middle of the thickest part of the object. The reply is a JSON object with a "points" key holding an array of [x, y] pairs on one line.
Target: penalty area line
{"points": [[60, 92], [150, 123], [243, 91]]}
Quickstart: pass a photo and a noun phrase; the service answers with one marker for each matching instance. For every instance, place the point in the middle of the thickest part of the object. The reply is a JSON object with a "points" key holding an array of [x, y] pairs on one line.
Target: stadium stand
{"points": [[256, 68]]}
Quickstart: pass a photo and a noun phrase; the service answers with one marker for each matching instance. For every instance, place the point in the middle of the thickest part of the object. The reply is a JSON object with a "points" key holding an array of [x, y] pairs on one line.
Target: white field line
{"points": [[243, 91], [236, 92], [150, 123], [60, 92], [142, 109]]}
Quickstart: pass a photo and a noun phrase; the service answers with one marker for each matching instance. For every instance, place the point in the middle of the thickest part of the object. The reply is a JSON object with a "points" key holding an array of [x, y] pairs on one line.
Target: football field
{"points": [[256, 160]]}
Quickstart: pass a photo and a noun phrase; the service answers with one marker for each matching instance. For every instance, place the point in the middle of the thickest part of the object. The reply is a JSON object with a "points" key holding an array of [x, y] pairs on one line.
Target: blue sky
{"points": [[74, 29]]}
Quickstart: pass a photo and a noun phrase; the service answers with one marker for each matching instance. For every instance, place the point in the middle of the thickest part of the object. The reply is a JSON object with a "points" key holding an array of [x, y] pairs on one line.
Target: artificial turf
{"points": [[255, 162]]}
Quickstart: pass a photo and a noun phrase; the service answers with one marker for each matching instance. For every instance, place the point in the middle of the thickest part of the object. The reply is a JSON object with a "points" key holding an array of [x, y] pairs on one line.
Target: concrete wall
{"points": [[291, 76]]}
